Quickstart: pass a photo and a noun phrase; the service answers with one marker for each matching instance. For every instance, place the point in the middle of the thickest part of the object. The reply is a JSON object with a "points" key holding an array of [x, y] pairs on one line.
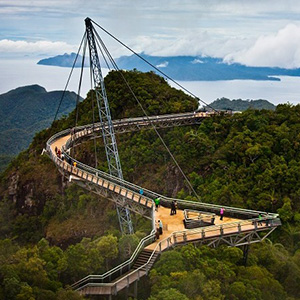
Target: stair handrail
{"points": [[128, 262], [128, 274]]}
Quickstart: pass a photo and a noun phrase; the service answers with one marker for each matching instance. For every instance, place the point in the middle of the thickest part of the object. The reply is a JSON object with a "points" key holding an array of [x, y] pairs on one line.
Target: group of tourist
{"points": [[61, 155]]}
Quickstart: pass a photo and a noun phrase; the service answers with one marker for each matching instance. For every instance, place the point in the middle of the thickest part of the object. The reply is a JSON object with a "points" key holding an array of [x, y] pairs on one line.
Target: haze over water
{"points": [[21, 72]]}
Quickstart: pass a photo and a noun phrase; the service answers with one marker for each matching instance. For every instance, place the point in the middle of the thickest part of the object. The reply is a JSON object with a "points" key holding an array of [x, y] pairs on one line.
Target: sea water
{"points": [[20, 72]]}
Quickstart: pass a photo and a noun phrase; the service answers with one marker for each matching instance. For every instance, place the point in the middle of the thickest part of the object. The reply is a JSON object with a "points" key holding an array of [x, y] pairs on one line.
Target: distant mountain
{"points": [[65, 60], [194, 68], [25, 111], [241, 105]]}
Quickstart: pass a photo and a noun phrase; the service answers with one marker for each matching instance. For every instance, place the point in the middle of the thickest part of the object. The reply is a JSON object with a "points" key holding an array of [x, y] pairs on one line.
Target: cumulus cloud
{"points": [[197, 61], [277, 50], [197, 43], [163, 65], [9, 46]]}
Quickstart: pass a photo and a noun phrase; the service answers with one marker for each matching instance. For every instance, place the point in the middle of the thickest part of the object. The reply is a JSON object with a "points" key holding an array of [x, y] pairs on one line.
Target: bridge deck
{"points": [[174, 223]]}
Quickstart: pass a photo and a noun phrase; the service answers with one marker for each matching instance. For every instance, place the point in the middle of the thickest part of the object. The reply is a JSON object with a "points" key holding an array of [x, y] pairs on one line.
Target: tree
{"points": [[108, 246], [127, 245], [169, 294]]}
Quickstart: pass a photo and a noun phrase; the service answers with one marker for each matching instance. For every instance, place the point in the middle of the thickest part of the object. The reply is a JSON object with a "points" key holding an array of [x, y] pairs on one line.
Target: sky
{"points": [[254, 33]]}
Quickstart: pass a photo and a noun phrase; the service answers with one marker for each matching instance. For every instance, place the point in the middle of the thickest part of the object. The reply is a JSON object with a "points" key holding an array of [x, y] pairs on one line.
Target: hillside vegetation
{"points": [[63, 233], [241, 105], [24, 112]]}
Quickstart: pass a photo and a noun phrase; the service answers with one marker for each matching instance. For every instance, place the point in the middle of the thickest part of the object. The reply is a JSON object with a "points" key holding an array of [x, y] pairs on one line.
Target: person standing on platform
{"points": [[173, 209], [157, 202], [260, 220], [157, 233], [160, 226], [222, 213], [141, 191]]}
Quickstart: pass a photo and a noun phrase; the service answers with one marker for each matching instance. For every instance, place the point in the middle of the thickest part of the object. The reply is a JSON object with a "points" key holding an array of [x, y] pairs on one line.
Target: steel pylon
{"points": [[110, 144]]}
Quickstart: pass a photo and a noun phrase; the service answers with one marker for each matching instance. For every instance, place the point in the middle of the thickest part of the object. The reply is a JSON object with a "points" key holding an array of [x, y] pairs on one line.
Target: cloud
{"points": [[163, 65], [197, 61], [277, 50], [197, 43], [9, 46]]}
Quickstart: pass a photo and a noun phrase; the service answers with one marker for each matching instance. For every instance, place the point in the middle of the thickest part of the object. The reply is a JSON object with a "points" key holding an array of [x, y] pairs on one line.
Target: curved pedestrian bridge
{"points": [[239, 226]]}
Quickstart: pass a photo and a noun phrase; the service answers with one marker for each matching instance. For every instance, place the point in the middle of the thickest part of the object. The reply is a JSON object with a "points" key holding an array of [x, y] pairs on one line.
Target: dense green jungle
{"points": [[53, 233]]}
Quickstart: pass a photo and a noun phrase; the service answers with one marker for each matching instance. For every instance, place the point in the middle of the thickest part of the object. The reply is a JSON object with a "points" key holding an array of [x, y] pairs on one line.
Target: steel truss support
{"points": [[108, 133], [236, 239], [117, 199], [245, 249]]}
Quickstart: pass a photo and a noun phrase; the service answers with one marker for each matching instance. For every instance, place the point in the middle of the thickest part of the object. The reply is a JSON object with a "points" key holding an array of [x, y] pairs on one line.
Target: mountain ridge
{"points": [[25, 111]]}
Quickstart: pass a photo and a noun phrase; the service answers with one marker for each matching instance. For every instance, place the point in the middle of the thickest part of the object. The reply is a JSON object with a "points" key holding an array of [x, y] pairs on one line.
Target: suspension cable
{"points": [[71, 72], [80, 81], [97, 42], [153, 66], [93, 111], [145, 113]]}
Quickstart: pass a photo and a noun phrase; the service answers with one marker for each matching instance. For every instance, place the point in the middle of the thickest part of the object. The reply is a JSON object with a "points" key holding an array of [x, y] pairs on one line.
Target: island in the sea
{"points": [[185, 68]]}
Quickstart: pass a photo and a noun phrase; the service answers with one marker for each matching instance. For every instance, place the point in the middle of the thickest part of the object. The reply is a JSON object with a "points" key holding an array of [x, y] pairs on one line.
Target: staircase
{"points": [[124, 281], [143, 258]]}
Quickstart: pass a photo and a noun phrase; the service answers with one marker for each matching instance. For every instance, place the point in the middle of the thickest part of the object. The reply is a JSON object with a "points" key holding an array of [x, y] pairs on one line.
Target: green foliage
{"points": [[216, 274], [241, 105], [127, 245], [25, 111], [169, 294], [171, 261]]}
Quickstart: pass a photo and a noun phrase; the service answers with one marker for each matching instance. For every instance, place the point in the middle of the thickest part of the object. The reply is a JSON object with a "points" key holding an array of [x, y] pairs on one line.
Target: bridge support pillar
{"points": [[135, 289], [245, 249]]}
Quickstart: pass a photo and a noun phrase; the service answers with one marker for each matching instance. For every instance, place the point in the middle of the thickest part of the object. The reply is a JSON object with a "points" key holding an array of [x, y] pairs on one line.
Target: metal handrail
{"points": [[150, 193], [158, 246], [128, 262], [89, 129]]}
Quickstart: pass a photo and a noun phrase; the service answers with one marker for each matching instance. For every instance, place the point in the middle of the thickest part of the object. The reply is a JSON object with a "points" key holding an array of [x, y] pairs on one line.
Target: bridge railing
{"points": [[235, 212], [92, 128], [226, 228], [166, 201]]}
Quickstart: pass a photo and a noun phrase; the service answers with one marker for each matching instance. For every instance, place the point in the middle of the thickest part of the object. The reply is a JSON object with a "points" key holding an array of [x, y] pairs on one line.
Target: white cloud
{"points": [[277, 50], [196, 43], [197, 61], [162, 65], [9, 46]]}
